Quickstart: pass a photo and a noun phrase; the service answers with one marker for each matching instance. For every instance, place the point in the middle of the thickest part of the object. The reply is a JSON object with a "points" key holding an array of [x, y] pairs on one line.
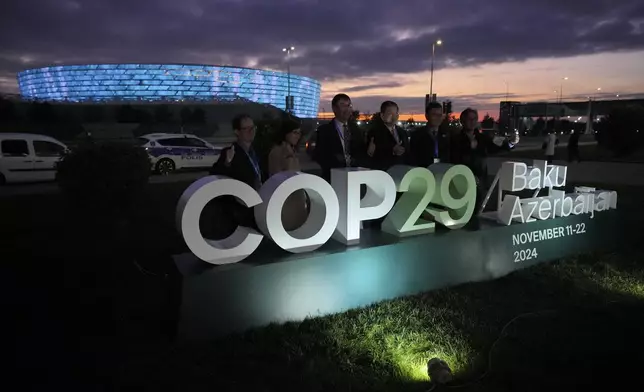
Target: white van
{"points": [[26, 157]]}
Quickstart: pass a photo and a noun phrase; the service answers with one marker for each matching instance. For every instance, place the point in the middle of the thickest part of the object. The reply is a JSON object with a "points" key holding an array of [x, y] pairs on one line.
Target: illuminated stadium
{"points": [[169, 82]]}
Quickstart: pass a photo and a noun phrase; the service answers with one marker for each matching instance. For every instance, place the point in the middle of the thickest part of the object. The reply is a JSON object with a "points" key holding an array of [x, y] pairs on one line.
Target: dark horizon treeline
{"points": [[65, 121]]}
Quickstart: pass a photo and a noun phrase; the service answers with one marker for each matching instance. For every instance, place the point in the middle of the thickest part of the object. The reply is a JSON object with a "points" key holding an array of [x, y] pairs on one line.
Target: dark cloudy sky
{"points": [[371, 49]]}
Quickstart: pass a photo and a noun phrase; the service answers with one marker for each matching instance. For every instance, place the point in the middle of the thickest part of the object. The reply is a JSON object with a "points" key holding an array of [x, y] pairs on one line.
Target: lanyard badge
{"points": [[253, 161], [436, 139]]}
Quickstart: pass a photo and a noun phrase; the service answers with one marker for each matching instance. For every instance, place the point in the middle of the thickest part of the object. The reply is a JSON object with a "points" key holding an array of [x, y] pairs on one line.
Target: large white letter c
{"points": [[241, 244]]}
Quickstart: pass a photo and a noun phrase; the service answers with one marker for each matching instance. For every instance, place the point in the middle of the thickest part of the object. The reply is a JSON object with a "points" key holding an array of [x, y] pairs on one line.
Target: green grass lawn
{"points": [[581, 317], [96, 304]]}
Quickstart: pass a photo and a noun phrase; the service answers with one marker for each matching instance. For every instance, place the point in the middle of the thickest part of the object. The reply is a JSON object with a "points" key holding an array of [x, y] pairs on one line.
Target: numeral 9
{"points": [[456, 193]]}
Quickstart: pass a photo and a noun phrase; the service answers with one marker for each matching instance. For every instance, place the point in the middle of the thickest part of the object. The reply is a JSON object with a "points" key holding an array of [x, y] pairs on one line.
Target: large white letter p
{"points": [[377, 202]]}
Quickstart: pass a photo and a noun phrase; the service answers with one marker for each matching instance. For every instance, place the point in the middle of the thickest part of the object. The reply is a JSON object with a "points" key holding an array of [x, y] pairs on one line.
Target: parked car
{"points": [[169, 152], [26, 157]]}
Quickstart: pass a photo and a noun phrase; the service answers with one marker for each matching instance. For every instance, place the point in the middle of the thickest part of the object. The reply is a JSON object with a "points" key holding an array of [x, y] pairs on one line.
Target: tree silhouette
{"points": [[93, 113], [622, 130], [7, 110], [488, 122], [126, 114], [41, 113], [186, 115], [162, 114], [199, 116], [143, 116]]}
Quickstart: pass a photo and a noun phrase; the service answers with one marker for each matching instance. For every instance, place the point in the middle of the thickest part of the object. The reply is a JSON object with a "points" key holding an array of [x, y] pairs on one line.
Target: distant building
{"points": [[146, 83], [508, 116]]}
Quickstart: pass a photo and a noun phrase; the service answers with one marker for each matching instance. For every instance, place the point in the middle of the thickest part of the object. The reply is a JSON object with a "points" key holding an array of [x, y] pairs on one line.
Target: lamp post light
{"points": [[288, 51], [561, 89], [431, 77]]}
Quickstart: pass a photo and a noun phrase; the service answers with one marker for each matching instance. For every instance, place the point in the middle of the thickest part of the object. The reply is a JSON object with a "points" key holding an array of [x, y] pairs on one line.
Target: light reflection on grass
{"points": [[387, 345]]}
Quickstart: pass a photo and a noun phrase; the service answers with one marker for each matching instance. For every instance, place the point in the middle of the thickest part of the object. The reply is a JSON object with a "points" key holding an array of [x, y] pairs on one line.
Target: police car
{"points": [[169, 152]]}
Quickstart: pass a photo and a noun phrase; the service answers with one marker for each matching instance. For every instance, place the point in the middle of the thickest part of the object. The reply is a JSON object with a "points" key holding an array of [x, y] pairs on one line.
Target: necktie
{"points": [[347, 141], [394, 133]]}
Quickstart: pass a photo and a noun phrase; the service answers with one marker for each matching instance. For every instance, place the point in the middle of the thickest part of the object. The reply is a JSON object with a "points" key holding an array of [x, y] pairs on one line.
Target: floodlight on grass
{"points": [[439, 371]]}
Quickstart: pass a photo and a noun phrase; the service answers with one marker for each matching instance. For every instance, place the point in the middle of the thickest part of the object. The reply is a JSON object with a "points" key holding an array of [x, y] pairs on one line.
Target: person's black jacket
{"points": [[231, 212], [240, 168], [573, 142], [383, 157], [329, 153], [475, 159], [422, 150]]}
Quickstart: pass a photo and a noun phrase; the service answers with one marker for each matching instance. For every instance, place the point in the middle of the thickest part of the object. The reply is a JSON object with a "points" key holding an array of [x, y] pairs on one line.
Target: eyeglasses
{"points": [[251, 128], [344, 105]]}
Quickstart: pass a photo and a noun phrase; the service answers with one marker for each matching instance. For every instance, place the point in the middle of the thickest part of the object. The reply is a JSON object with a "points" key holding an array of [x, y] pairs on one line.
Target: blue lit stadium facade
{"points": [[169, 82]]}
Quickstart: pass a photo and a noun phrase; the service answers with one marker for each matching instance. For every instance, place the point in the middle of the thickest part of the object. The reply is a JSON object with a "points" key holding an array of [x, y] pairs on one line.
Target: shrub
{"points": [[104, 180], [622, 131]]}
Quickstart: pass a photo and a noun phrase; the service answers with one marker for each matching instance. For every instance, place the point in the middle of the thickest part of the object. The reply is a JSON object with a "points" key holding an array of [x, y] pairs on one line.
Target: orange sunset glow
{"points": [[484, 87], [366, 117]]}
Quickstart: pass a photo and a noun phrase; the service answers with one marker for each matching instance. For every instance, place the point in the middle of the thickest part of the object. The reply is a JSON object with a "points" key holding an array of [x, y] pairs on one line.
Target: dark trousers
{"points": [[221, 218], [573, 155]]}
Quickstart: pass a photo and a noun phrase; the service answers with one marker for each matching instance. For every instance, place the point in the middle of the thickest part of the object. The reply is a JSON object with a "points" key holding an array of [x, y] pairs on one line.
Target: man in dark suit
{"points": [[338, 144], [388, 143], [471, 147], [240, 162], [430, 144]]}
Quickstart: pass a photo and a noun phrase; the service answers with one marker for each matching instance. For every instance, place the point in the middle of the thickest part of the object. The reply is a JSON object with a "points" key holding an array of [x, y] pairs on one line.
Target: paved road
{"points": [[594, 169]]}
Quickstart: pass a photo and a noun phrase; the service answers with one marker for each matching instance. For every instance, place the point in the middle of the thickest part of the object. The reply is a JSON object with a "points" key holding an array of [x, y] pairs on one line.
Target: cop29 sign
{"points": [[441, 194]]}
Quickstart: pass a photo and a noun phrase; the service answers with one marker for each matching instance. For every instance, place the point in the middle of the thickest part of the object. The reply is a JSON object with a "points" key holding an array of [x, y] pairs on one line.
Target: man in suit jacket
{"points": [[388, 144], [339, 145], [240, 162], [430, 144], [471, 147]]}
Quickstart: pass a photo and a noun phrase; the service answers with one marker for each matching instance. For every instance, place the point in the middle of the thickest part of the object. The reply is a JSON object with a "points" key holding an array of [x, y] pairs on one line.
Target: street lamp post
{"points": [[599, 89], [431, 76], [561, 89], [288, 76]]}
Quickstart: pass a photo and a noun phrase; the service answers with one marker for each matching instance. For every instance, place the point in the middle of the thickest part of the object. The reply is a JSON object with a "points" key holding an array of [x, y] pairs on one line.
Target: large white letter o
{"points": [[241, 244], [323, 214]]}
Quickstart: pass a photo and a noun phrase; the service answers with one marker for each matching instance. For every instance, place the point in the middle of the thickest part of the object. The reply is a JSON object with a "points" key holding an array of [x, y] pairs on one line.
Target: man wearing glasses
{"points": [[240, 162]]}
